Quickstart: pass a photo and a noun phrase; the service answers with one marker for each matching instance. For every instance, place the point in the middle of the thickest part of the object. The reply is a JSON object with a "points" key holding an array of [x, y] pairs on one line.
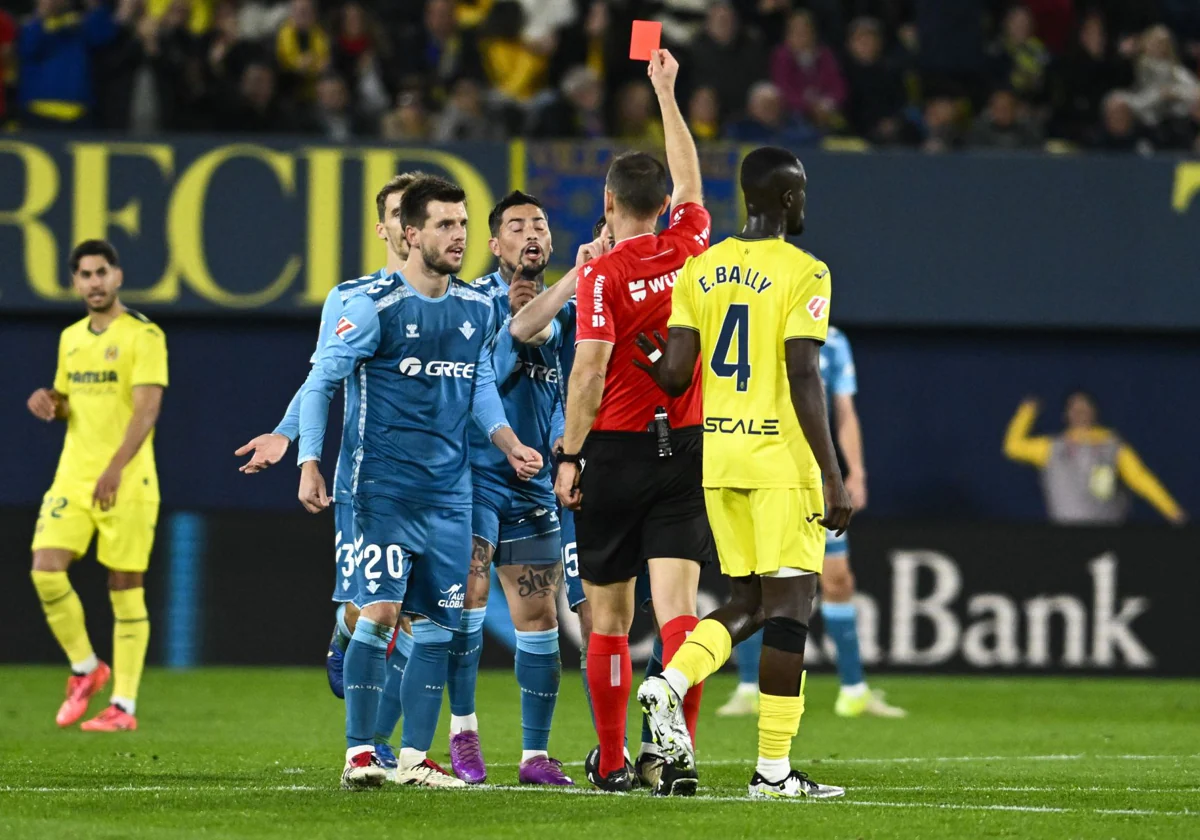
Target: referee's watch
{"points": [[561, 457]]}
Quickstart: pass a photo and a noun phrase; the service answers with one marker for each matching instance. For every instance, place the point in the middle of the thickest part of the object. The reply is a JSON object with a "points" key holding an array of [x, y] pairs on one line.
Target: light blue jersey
{"points": [[837, 372], [289, 426]]}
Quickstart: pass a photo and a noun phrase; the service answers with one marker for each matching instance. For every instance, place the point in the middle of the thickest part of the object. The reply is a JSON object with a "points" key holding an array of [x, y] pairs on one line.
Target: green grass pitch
{"points": [[255, 753]]}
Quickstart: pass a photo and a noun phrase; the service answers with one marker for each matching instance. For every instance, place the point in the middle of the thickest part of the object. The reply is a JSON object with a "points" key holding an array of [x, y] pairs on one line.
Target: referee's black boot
{"points": [[618, 781], [673, 782]]}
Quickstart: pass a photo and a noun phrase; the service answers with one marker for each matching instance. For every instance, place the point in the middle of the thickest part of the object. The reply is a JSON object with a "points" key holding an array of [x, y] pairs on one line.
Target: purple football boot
{"points": [[542, 770], [466, 758]]}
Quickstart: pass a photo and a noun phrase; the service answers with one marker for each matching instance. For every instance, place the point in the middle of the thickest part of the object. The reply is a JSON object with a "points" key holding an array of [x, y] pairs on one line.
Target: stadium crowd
{"points": [[1114, 75]]}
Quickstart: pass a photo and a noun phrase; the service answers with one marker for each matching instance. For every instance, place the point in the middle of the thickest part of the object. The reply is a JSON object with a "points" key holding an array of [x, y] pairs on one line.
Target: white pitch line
{"points": [[1025, 789], [947, 759]]}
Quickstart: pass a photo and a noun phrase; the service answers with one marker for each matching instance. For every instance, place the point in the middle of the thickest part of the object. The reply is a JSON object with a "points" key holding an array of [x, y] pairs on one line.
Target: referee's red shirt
{"points": [[628, 291]]}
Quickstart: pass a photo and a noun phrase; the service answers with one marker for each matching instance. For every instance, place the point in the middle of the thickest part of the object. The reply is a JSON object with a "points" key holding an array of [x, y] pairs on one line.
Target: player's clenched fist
{"points": [[526, 461], [662, 71], [312, 488], [43, 404], [838, 508]]}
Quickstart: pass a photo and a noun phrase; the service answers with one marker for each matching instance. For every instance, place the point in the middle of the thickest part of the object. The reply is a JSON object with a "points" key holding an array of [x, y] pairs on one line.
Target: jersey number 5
{"points": [[737, 321]]}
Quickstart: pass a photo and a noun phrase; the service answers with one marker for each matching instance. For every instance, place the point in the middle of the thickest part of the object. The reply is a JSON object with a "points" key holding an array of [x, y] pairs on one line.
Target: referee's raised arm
{"points": [[683, 163]]}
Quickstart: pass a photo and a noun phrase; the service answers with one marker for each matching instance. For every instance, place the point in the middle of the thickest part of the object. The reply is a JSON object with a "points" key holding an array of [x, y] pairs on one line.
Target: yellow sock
{"points": [[131, 635], [707, 648], [64, 614], [778, 723]]}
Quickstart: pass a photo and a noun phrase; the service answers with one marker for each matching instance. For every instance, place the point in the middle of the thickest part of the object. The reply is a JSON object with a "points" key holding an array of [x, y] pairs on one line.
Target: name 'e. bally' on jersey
{"points": [[424, 369], [529, 380], [289, 426], [626, 292], [98, 372], [746, 297]]}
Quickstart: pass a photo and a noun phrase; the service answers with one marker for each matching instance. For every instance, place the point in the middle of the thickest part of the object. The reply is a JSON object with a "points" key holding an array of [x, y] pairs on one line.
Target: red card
{"points": [[645, 37]]}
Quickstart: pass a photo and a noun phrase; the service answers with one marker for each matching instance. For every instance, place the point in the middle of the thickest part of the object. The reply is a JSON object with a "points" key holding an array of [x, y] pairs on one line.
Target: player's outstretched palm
{"points": [[838, 508], [264, 450], [663, 70], [655, 351]]}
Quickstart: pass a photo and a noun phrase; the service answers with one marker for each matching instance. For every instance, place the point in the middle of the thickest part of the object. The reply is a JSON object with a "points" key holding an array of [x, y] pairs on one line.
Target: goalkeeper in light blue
{"points": [[855, 698], [419, 344]]}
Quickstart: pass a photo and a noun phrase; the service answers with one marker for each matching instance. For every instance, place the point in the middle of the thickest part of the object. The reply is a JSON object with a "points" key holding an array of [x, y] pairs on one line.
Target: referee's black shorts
{"points": [[637, 505]]}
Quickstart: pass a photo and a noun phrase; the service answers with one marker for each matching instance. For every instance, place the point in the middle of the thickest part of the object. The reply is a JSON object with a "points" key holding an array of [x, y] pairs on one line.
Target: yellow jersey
{"points": [[98, 372], [746, 297]]}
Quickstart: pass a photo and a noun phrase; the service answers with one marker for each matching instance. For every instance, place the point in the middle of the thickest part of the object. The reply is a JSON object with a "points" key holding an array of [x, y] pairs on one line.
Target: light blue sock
{"points": [[341, 634], [364, 669], [424, 683], [748, 654], [654, 667], [498, 622], [390, 705], [841, 625], [465, 649], [539, 670]]}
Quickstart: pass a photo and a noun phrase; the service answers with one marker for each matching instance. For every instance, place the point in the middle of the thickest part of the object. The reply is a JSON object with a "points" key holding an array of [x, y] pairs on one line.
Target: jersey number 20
{"points": [[737, 321]]}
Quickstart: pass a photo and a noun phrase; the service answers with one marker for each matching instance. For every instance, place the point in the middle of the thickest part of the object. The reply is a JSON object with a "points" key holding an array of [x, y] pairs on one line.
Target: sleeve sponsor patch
{"points": [[345, 326], [818, 307]]}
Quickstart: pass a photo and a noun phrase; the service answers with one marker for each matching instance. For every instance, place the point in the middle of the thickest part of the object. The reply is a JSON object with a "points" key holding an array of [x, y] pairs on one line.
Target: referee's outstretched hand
{"points": [[655, 351], [838, 509]]}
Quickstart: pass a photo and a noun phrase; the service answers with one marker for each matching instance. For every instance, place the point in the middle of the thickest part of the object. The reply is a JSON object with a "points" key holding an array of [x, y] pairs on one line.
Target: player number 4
{"points": [[737, 322]]}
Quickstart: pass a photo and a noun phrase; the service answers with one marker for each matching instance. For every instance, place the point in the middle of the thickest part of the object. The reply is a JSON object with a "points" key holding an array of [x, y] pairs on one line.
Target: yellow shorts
{"points": [[126, 530], [763, 530]]}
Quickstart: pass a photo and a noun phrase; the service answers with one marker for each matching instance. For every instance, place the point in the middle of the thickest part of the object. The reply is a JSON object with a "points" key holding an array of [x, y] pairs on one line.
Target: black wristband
{"points": [[561, 457]]}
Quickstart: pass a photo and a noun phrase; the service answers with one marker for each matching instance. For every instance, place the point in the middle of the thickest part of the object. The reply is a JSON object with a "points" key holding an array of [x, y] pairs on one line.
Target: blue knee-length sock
{"points": [[465, 649], [423, 685], [539, 670], [365, 668], [748, 654], [390, 705], [654, 667], [341, 633], [841, 625]]}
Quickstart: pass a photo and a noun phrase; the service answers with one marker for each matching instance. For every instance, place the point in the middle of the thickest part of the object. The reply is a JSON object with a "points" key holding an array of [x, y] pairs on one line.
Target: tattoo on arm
{"points": [[481, 560], [539, 581]]}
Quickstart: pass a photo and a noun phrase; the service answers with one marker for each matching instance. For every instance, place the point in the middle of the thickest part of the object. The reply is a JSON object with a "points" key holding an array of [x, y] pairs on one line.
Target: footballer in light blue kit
{"points": [[837, 584], [420, 345], [268, 449], [515, 523]]}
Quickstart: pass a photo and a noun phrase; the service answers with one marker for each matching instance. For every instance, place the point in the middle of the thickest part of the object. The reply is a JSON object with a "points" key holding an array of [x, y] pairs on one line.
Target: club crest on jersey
{"points": [[818, 307], [110, 353], [410, 331], [344, 327], [467, 330]]}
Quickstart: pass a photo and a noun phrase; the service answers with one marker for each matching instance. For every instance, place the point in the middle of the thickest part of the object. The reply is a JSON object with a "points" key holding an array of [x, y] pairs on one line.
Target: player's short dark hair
{"points": [[638, 182], [761, 166], [93, 248], [414, 207], [400, 183], [598, 228], [516, 198]]}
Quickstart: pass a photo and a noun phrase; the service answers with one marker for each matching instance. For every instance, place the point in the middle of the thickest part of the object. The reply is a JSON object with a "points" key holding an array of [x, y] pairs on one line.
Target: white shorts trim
{"points": [[787, 572]]}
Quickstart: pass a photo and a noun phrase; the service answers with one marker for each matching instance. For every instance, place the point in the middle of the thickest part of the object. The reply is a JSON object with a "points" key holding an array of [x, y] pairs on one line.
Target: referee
{"points": [[639, 501]]}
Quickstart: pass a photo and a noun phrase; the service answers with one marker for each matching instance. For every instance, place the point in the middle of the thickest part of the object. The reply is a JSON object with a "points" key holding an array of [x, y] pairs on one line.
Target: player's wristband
{"points": [[561, 457]]}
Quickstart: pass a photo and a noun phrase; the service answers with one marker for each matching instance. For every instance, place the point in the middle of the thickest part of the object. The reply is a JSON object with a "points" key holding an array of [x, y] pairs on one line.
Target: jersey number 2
{"points": [[737, 321]]}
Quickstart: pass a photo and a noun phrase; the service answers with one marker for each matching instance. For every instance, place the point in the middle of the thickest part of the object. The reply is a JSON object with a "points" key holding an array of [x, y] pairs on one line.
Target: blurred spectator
{"points": [[332, 116], [876, 101], [767, 17], [1090, 70], [807, 74], [1020, 59], [302, 49], [1163, 88], [951, 57], [1053, 21], [704, 114], [8, 34], [515, 70], [259, 20], [768, 121], [681, 20], [1120, 130], [360, 52], [637, 119], [942, 131], [56, 50], [1003, 126], [167, 88], [726, 58], [408, 122], [466, 117], [576, 112], [256, 108], [228, 51], [194, 15], [436, 54], [1087, 470]]}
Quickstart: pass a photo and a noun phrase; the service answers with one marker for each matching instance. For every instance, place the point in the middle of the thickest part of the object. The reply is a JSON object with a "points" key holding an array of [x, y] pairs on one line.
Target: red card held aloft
{"points": [[645, 37]]}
